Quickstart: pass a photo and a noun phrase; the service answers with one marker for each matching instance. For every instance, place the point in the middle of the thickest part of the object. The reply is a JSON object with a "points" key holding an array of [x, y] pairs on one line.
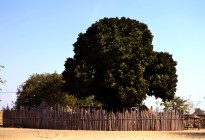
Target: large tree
{"points": [[113, 61]]}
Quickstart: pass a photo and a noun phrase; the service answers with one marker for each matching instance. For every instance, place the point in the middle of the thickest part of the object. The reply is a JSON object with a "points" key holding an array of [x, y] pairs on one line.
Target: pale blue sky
{"points": [[36, 36]]}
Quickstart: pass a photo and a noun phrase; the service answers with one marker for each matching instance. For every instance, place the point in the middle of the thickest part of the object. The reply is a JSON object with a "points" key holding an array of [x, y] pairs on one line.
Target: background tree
{"points": [[199, 111], [41, 87], [110, 63], [48, 87], [177, 104]]}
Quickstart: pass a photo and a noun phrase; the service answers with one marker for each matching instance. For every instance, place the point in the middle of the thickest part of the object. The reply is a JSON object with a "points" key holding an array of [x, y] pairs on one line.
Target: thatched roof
{"points": [[194, 116], [43, 106]]}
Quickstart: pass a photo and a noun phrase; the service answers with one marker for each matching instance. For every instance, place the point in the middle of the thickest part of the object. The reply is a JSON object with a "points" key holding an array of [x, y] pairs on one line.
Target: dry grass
{"points": [[42, 134]]}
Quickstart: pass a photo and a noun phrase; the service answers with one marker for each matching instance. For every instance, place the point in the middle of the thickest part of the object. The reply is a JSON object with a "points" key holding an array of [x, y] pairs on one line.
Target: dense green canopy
{"points": [[42, 87], [47, 87], [114, 61], [161, 74]]}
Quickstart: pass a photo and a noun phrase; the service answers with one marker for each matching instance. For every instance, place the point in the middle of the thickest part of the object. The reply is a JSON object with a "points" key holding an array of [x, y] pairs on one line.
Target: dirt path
{"points": [[42, 134]]}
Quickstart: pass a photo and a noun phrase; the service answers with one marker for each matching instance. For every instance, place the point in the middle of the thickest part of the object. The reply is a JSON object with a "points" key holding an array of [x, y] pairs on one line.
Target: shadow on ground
{"points": [[193, 134]]}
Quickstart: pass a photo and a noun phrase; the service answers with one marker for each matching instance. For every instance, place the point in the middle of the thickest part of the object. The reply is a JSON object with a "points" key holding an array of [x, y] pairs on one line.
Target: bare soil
{"points": [[43, 134]]}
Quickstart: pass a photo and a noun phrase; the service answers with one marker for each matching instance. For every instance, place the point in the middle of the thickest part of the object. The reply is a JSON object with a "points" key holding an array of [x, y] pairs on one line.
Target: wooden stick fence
{"points": [[82, 119]]}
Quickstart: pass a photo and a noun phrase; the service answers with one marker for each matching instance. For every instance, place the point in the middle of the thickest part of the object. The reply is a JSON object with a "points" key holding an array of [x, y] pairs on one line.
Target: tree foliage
{"points": [[199, 111], [177, 103], [47, 87], [40, 87], [161, 74], [114, 61]]}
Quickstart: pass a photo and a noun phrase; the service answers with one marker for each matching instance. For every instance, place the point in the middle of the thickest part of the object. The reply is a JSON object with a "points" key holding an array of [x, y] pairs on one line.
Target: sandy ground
{"points": [[42, 134]]}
